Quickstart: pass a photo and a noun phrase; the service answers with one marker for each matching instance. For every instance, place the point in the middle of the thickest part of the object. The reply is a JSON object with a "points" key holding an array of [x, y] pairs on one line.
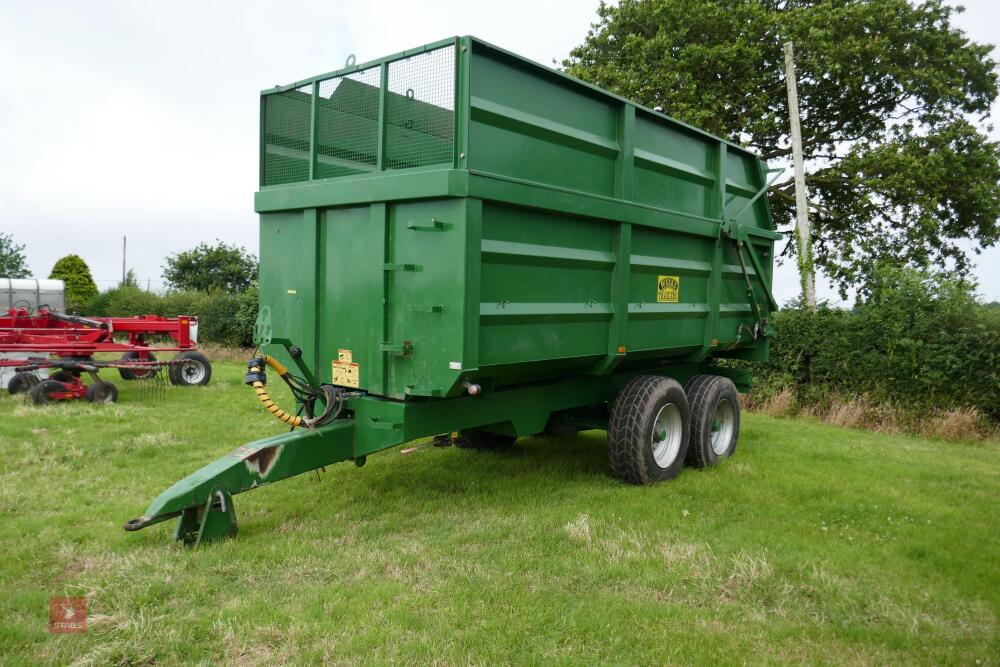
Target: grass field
{"points": [[814, 545]]}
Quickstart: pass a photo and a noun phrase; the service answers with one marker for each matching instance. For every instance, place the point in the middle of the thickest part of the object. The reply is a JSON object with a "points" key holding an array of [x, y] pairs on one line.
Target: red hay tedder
{"points": [[66, 344]]}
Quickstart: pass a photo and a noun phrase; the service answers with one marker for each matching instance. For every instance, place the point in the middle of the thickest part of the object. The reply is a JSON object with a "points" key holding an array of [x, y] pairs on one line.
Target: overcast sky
{"points": [[141, 118]]}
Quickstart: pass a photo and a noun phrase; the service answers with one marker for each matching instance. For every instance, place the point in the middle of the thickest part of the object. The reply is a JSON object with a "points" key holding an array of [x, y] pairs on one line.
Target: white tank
{"points": [[32, 293]]}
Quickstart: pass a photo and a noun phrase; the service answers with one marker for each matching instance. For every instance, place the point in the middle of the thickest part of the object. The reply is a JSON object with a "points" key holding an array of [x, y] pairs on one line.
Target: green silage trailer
{"points": [[458, 243]]}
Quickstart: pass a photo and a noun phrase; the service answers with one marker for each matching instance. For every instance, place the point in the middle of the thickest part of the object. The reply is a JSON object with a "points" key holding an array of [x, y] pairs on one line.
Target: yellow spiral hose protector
{"points": [[265, 399]]}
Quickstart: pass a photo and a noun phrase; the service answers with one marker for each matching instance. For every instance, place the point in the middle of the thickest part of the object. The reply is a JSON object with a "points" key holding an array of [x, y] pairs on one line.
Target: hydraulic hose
{"points": [[257, 380], [304, 394]]}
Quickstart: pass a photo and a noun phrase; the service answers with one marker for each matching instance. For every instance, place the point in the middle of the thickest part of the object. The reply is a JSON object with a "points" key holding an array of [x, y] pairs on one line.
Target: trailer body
{"points": [[460, 240], [501, 223]]}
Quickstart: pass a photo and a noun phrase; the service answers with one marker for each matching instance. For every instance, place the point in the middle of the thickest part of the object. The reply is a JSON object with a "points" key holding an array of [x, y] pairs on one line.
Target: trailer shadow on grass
{"points": [[536, 461], [397, 493]]}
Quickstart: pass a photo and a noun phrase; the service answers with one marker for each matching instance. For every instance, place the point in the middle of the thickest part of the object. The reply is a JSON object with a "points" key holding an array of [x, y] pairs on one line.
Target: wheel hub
{"points": [[193, 372], [666, 438], [723, 425]]}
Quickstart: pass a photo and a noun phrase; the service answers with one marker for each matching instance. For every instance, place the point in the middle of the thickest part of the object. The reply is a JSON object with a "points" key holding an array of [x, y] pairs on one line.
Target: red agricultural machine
{"points": [[32, 342]]}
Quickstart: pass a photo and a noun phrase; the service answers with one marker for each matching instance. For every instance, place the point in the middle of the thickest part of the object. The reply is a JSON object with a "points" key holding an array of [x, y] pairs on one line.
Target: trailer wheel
{"points": [[483, 440], [41, 392], [102, 392], [137, 373], [196, 369], [22, 383], [648, 430], [715, 419]]}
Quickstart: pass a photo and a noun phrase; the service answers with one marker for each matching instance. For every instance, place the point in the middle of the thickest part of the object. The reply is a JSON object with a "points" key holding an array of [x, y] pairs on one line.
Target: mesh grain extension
{"points": [[347, 124], [420, 110], [286, 136], [419, 121]]}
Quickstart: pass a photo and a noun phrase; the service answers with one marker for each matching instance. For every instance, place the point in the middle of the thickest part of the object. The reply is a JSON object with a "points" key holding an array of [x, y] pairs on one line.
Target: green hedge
{"points": [[921, 341], [223, 318]]}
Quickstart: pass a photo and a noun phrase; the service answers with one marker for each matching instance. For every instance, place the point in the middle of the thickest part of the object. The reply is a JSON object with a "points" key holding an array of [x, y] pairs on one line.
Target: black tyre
{"points": [[137, 373], [195, 371], [42, 392], [648, 430], [483, 440], [102, 392], [715, 419], [22, 383], [62, 376]]}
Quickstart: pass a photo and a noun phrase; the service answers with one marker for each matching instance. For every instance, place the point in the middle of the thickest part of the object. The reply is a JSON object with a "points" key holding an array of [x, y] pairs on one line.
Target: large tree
{"points": [[211, 267], [890, 93], [12, 262]]}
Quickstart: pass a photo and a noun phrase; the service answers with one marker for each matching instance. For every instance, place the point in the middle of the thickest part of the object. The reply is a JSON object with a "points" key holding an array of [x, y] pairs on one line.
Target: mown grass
{"points": [[814, 545]]}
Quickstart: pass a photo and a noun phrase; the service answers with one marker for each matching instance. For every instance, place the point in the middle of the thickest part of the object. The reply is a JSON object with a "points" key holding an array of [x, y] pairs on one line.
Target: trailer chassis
{"points": [[203, 501]]}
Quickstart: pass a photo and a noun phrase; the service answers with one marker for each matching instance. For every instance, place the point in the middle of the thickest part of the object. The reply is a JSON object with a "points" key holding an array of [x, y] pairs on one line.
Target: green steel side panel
{"points": [[674, 168], [529, 127], [546, 287], [351, 308], [467, 215], [426, 305], [425, 293], [659, 326], [287, 282], [536, 125]]}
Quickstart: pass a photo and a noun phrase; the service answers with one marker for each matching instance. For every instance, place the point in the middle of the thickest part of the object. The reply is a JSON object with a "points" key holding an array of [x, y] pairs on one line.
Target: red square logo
{"points": [[67, 614]]}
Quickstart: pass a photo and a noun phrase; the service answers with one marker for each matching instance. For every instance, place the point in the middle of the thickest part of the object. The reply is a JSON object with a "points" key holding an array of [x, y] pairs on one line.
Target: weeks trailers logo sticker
{"points": [[668, 289], [67, 615]]}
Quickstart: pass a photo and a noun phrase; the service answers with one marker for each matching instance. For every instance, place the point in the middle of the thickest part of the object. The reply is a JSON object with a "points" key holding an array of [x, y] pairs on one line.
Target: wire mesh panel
{"points": [[420, 110], [286, 136], [347, 124]]}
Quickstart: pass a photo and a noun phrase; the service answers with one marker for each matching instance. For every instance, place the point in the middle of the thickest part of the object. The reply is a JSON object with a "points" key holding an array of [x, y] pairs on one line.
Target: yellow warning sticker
{"points": [[344, 355], [346, 373], [668, 289]]}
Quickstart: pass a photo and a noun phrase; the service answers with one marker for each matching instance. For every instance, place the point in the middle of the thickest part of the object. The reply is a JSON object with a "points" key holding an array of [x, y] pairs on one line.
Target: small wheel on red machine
{"points": [[22, 383], [137, 373], [195, 369], [43, 392], [102, 392]]}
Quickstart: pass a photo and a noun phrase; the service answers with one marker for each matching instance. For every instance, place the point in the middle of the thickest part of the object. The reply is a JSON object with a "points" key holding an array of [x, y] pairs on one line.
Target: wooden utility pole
{"points": [[802, 230], [124, 240]]}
